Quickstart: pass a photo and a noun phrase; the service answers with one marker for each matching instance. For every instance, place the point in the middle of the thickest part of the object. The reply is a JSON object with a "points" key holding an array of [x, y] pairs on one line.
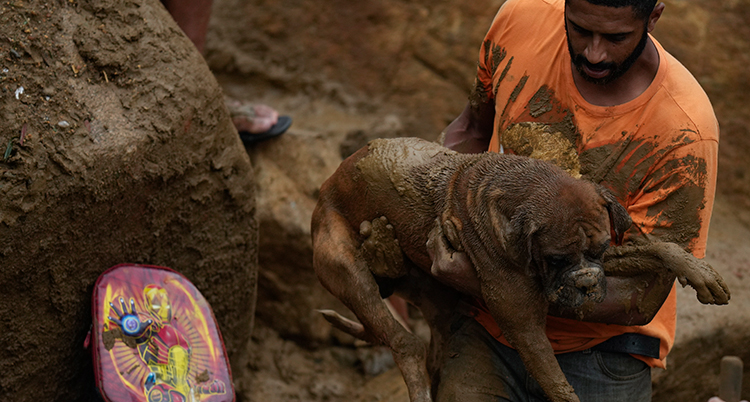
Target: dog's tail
{"points": [[352, 328]]}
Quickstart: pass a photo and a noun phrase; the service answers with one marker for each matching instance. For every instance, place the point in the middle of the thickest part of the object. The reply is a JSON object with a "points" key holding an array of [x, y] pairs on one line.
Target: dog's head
{"points": [[560, 237]]}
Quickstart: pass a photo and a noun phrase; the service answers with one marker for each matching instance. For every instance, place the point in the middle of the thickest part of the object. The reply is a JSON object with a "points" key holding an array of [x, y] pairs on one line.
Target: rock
{"points": [[416, 59], [389, 126], [149, 169], [289, 171]]}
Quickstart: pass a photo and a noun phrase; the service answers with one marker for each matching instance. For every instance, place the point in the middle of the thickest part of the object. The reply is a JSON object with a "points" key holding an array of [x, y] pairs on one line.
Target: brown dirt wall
{"points": [[118, 149]]}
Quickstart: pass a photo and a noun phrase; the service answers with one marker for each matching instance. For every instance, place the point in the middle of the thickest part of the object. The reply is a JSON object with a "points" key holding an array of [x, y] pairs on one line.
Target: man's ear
{"points": [[619, 220], [655, 15]]}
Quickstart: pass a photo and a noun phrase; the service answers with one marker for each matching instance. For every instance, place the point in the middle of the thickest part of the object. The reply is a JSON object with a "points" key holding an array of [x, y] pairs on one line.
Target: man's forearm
{"points": [[629, 301], [639, 279]]}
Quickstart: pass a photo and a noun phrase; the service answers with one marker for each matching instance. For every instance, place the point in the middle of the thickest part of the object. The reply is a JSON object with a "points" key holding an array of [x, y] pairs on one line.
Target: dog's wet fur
{"points": [[534, 235]]}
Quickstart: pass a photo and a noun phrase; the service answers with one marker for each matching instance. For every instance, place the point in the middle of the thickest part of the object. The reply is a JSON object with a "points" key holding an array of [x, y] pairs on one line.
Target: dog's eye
{"points": [[558, 261], [597, 255]]}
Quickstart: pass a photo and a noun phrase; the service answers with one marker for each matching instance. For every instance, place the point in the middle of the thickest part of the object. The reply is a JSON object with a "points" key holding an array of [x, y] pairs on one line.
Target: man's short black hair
{"points": [[641, 8]]}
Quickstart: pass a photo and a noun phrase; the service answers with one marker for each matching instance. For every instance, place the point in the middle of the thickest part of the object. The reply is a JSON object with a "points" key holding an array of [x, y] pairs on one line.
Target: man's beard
{"points": [[615, 70]]}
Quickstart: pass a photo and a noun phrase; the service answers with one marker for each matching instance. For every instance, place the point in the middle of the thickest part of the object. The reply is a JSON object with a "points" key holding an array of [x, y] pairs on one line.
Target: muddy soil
{"points": [[117, 148]]}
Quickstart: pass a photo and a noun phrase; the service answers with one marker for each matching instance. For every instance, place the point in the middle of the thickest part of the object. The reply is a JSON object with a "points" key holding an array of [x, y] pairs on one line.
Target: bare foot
{"points": [[252, 118]]}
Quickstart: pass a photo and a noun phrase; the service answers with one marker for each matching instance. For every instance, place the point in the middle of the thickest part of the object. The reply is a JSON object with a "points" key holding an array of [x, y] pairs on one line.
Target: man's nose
{"points": [[595, 51]]}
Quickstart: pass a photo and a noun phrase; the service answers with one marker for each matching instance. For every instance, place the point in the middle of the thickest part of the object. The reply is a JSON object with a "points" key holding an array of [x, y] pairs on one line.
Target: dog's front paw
{"points": [[708, 284]]}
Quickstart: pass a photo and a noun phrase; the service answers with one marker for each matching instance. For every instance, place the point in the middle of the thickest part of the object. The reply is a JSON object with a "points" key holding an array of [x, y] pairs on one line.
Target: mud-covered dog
{"points": [[533, 234]]}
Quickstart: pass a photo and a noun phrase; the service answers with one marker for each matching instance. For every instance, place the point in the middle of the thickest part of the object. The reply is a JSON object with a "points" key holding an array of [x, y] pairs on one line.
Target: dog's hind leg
{"points": [[342, 270]]}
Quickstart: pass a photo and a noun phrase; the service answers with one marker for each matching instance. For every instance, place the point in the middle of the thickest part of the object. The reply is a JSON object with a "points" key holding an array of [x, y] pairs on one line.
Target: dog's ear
{"points": [[502, 228], [619, 220], [523, 226]]}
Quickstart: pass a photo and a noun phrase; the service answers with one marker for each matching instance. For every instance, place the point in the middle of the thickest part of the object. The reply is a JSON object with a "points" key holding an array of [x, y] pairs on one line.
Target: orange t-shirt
{"points": [[657, 153]]}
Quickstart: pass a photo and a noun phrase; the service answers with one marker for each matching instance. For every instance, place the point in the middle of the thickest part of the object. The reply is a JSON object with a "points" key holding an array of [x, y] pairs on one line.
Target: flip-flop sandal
{"points": [[282, 124]]}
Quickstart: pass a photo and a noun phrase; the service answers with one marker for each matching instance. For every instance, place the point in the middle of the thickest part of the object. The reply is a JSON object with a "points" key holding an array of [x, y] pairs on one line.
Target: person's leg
{"points": [[192, 16], [603, 376], [607, 376]]}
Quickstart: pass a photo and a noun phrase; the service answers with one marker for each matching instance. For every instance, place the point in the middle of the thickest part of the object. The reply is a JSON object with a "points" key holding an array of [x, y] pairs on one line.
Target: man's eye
{"points": [[616, 38], [580, 30]]}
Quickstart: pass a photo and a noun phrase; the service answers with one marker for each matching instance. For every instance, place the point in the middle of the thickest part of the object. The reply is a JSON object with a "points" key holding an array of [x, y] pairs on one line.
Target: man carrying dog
{"points": [[636, 122]]}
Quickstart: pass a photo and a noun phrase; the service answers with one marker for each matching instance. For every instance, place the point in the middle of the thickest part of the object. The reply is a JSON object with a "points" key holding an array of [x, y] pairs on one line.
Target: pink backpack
{"points": [[155, 339]]}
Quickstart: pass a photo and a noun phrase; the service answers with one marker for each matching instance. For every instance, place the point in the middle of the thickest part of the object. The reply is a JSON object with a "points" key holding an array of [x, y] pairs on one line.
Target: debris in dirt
{"points": [[203, 377], [23, 134], [284, 371], [19, 92], [375, 360], [325, 388], [8, 150], [63, 124]]}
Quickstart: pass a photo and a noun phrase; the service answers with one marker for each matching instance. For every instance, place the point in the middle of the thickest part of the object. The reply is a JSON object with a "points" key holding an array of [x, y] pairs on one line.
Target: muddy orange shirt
{"points": [[656, 153]]}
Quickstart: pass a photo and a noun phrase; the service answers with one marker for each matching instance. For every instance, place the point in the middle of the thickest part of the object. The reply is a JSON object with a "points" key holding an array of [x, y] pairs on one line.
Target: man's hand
{"points": [[451, 267]]}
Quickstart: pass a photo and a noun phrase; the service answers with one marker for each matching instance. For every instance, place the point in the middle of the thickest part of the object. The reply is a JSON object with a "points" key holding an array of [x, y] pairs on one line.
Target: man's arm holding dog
{"points": [[639, 279], [621, 305]]}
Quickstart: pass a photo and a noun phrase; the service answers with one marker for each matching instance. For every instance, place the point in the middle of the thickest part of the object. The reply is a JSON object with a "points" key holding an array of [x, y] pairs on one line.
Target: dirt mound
{"points": [[117, 148]]}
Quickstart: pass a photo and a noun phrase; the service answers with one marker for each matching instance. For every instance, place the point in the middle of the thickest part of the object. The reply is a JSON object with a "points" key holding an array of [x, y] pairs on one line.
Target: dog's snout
{"points": [[575, 287], [591, 283], [586, 279]]}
